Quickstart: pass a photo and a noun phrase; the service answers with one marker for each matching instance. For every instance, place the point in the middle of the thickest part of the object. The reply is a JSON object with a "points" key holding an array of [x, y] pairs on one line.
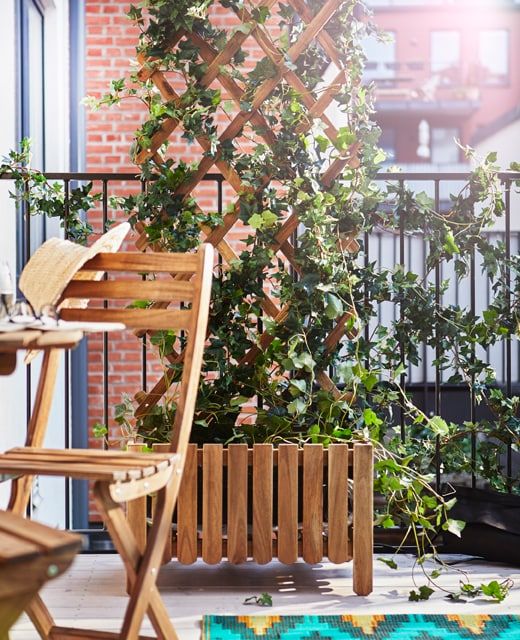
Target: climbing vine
{"points": [[264, 379]]}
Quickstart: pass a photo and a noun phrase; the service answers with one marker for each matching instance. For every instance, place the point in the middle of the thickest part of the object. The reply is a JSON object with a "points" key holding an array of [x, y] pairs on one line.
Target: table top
{"points": [[35, 339]]}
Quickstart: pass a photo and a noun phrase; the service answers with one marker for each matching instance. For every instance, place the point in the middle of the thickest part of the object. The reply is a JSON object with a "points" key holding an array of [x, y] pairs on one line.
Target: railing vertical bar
{"points": [[426, 404], [26, 256], [366, 241], [401, 345], [437, 388], [144, 353], [509, 382], [472, 379], [105, 305], [66, 400]]}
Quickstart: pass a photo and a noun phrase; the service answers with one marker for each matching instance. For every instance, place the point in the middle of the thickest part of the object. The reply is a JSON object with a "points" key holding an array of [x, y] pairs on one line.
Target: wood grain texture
{"points": [[288, 503], [126, 290], [187, 510], [212, 503], [141, 262], [237, 503], [363, 530], [337, 503], [124, 476], [312, 532], [262, 503]]}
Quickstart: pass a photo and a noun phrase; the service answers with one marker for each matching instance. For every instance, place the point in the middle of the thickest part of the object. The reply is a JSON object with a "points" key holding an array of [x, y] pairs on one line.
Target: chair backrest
{"points": [[190, 283]]}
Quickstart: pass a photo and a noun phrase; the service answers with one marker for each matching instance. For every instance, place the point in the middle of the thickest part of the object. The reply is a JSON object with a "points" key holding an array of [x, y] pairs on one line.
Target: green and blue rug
{"points": [[351, 627]]}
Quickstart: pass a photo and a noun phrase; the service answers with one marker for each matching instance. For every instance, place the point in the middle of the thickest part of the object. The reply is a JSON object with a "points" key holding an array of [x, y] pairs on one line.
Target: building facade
{"points": [[450, 70]]}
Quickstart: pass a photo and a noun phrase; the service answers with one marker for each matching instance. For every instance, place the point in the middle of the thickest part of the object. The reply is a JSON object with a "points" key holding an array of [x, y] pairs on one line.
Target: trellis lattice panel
{"points": [[247, 113]]}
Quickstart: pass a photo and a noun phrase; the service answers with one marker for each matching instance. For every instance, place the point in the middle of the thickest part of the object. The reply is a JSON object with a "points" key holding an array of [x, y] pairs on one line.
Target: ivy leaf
{"points": [[99, 430], [454, 526], [450, 246], [334, 306], [238, 401], [297, 406], [495, 590], [438, 426], [369, 380], [303, 361], [423, 593], [389, 562], [344, 138], [323, 143], [370, 418], [297, 387]]}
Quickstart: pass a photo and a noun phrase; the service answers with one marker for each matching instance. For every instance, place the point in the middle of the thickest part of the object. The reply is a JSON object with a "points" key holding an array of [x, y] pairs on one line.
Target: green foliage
{"points": [[39, 196], [369, 366], [263, 600]]}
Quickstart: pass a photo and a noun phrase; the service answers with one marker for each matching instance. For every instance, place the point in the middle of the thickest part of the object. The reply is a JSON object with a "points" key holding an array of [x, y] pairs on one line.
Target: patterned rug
{"points": [[350, 627]]}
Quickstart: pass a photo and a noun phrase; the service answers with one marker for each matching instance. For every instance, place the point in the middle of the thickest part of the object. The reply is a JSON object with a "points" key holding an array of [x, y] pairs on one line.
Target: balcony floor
{"points": [[92, 593]]}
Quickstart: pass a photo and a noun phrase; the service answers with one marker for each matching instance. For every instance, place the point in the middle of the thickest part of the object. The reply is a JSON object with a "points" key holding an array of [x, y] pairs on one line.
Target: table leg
{"points": [[37, 427]]}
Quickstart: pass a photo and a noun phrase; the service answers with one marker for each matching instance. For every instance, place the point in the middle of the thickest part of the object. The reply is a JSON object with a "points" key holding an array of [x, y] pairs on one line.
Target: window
{"points": [[31, 100], [32, 85], [493, 52], [445, 55], [380, 64], [443, 147]]}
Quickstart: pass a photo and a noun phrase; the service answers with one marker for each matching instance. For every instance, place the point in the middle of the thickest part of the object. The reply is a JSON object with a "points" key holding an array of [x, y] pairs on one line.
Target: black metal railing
{"points": [[426, 382]]}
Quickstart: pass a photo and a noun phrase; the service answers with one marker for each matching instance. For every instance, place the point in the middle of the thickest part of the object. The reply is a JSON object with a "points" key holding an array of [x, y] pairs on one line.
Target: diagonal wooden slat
{"points": [[218, 62]]}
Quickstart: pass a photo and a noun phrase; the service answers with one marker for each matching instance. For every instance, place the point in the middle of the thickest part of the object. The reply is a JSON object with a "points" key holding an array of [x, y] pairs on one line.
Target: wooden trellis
{"points": [[216, 61]]}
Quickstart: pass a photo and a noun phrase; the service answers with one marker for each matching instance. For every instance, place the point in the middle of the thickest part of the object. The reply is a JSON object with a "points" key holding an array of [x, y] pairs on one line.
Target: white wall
{"points": [[49, 499]]}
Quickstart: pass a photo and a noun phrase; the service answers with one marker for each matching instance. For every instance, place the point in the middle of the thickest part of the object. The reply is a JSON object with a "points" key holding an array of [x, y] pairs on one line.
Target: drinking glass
{"points": [[7, 290]]}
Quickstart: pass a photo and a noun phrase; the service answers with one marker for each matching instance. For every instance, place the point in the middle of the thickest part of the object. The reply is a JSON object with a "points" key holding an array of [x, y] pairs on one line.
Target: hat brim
{"points": [[57, 262]]}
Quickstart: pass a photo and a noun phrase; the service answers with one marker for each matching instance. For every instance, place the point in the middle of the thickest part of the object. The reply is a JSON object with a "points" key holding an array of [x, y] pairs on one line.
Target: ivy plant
{"points": [[326, 284]]}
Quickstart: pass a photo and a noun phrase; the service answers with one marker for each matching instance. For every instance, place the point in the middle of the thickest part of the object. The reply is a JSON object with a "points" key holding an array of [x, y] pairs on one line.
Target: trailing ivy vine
{"points": [[326, 283]]}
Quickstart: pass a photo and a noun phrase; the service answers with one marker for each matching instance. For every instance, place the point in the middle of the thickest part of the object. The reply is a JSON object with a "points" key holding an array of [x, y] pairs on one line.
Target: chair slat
{"points": [[288, 503], [155, 262], [153, 319], [93, 470], [312, 503], [262, 503], [122, 458], [212, 503], [337, 504], [237, 503], [187, 509], [130, 289]]}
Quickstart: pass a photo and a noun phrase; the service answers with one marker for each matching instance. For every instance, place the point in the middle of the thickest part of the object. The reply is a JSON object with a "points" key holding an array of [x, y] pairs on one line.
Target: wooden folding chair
{"points": [[122, 476]]}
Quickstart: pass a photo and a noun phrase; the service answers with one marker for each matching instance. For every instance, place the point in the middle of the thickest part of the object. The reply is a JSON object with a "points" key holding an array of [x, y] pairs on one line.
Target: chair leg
{"points": [[145, 597], [40, 617]]}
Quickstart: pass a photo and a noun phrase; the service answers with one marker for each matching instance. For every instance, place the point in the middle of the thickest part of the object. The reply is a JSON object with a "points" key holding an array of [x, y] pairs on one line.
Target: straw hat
{"points": [[57, 262]]}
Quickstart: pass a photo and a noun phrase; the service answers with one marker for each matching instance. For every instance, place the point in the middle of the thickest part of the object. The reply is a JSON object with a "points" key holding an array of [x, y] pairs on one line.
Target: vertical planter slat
{"points": [[288, 503], [262, 503], [237, 503], [363, 518], [187, 551], [337, 503], [212, 465], [312, 532]]}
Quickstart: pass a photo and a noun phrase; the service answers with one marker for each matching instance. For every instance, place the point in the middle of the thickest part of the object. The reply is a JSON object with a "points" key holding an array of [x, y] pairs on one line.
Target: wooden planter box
{"points": [[264, 503]]}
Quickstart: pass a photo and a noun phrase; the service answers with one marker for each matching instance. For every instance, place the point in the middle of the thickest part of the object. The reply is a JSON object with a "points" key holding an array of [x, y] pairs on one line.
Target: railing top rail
{"points": [[95, 175], [382, 175]]}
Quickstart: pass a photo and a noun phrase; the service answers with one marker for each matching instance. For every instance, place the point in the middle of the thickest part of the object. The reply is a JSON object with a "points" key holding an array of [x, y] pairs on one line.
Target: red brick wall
{"points": [[110, 46]]}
